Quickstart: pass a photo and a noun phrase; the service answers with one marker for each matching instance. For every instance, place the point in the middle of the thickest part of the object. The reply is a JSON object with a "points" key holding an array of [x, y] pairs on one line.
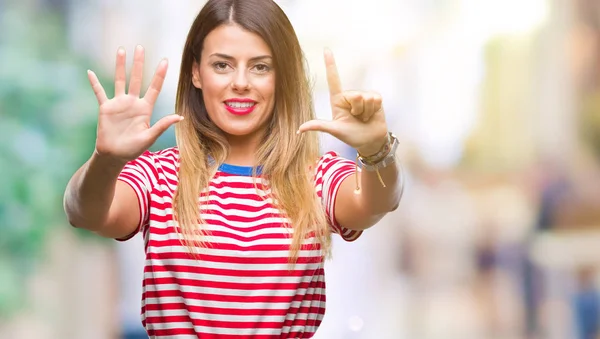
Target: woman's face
{"points": [[237, 77]]}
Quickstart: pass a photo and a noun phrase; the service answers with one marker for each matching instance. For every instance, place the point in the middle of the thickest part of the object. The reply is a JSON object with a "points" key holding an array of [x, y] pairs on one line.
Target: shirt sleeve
{"points": [[331, 172], [141, 175]]}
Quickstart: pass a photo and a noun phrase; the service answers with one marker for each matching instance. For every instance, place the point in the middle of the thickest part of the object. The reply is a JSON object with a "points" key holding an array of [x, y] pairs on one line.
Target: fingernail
{"points": [[139, 47], [297, 132]]}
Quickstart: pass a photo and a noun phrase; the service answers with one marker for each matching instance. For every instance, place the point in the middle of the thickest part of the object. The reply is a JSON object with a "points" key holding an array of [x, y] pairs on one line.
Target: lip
{"points": [[240, 100], [239, 111]]}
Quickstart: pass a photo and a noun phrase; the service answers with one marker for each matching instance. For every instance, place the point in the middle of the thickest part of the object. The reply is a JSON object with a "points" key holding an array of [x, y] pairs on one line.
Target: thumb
{"points": [[162, 125], [319, 126]]}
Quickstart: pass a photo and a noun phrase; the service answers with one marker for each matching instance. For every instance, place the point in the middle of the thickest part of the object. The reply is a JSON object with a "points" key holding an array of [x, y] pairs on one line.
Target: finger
{"points": [[137, 71], [120, 76], [356, 100], [97, 87], [377, 102], [369, 102], [162, 125], [333, 78], [157, 81], [319, 126]]}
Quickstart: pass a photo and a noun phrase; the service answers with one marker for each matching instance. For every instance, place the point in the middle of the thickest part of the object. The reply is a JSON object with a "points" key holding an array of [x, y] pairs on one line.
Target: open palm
{"points": [[124, 130]]}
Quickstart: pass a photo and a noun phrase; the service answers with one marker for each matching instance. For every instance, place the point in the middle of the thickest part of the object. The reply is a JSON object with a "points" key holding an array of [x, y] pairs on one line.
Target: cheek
{"points": [[267, 88], [213, 84]]}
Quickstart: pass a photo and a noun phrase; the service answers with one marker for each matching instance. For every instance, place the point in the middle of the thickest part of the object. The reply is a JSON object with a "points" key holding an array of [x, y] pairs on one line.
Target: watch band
{"points": [[387, 160]]}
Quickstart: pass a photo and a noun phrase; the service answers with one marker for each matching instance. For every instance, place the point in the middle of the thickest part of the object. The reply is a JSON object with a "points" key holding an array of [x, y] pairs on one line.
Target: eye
{"points": [[261, 68], [220, 66]]}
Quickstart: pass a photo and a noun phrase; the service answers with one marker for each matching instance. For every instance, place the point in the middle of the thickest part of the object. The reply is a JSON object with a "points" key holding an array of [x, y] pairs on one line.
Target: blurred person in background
{"points": [[237, 218], [586, 304]]}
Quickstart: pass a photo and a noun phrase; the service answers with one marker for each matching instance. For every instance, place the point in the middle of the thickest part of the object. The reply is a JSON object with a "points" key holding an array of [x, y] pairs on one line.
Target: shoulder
{"points": [[165, 156], [327, 158], [156, 162], [171, 153], [330, 160]]}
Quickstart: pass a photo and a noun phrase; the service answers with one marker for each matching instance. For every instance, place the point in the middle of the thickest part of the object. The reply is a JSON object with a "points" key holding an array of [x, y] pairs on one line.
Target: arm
{"points": [[95, 200], [364, 209], [359, 121], [378, 190]]}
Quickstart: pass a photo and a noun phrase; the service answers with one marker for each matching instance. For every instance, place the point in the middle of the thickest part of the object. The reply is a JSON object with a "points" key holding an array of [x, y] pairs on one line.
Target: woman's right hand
{"points": [[124, 130]]}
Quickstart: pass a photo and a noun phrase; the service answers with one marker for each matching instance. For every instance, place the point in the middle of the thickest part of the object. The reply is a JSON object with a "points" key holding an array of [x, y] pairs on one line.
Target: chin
{"points": [[239, 131], [241, 127]]}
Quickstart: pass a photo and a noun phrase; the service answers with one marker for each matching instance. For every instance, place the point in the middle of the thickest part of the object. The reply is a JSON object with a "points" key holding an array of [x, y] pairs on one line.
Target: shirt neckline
{"points": [[239, 170]]}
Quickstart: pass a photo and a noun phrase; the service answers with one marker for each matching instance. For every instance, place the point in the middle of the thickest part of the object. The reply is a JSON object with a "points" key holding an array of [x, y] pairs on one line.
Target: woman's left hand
{"points": [[357, 117]]}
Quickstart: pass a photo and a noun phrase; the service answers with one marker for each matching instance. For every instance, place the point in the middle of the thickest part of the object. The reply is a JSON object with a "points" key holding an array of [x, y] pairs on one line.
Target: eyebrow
{"points": [[229, 57]]}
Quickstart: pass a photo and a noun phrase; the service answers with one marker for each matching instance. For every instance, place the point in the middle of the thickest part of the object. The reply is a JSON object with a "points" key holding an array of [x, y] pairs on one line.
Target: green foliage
{"points": [[48, 117], [47, 130]]}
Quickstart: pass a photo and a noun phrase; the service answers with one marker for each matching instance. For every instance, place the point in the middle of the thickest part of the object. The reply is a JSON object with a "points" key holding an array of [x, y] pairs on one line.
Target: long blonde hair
{"points": [[288, 161]]}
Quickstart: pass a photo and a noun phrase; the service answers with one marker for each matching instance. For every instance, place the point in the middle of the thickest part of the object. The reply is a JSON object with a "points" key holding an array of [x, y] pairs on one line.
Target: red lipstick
{"points": [[240, 106]]}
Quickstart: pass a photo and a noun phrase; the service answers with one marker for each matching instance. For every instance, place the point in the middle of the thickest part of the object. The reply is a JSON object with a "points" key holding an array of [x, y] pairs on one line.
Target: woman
{"points": [[237, 218]]}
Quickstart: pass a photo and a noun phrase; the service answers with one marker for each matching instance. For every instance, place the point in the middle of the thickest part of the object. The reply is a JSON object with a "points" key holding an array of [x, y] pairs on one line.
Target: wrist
{"points": [[107, 162], [381, 159], [373, 148], [385, 156]]}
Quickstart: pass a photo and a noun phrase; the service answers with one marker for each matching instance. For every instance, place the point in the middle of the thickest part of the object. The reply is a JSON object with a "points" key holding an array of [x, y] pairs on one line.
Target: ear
{"points": [[196, 76]]}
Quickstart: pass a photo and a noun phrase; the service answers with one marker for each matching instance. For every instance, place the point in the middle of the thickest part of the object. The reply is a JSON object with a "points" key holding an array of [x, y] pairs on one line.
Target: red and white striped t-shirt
{"points": [[240, 285]]}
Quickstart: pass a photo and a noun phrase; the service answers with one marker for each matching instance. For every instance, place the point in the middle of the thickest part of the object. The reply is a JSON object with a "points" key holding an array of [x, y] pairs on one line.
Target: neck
{"points": [[242, 150]]}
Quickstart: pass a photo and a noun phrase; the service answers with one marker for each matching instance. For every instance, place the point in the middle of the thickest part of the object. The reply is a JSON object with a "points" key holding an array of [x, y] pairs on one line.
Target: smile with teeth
{"points": [[240, 107], [240, 104]]}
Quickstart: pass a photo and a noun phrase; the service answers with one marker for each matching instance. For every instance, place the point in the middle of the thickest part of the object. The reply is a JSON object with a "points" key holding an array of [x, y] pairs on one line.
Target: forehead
{"points": [[234, 41]]}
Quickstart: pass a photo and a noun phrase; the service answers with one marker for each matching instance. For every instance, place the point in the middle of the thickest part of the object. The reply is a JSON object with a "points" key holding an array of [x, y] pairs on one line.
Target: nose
{"points": [[240, 82]]}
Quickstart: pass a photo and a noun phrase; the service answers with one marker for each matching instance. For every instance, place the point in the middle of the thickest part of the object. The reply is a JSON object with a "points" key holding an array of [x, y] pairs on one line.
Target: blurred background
{"points": [[496, 103]]}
